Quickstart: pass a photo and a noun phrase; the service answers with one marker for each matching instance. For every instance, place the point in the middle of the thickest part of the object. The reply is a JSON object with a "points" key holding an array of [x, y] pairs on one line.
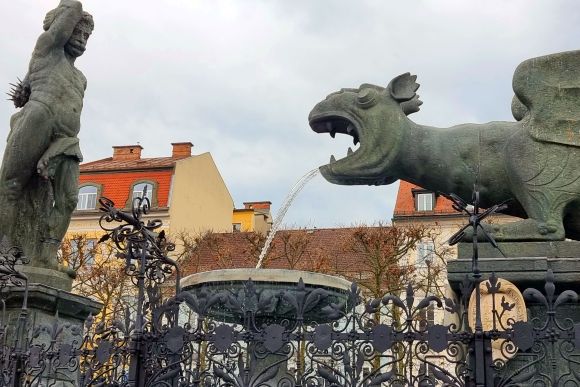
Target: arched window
{"points": [[140, 188], [87, 198]]}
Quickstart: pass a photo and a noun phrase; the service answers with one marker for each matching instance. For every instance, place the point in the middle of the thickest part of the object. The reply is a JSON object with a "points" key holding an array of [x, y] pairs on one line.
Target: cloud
{"points": [[238, 78]]}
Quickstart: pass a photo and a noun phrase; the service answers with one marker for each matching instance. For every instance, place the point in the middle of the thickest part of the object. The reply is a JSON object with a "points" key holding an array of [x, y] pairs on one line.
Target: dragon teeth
{"points": [[332, 159], [355, 140], [332, 133], [349, 152]]}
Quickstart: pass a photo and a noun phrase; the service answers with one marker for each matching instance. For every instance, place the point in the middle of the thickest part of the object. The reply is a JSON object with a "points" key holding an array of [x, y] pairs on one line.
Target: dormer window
{"points": [[144, 188], [424, 201], [87, 199]]}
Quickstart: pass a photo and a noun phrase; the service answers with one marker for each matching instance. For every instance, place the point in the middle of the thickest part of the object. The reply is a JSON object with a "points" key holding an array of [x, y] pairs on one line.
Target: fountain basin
{"points": [[270, 293]]}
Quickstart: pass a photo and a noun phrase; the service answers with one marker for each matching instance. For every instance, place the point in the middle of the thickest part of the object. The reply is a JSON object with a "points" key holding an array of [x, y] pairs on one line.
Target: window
{"points": [[140, 188], [87, 198], [425, 253], [424, 201], [237, 227]]}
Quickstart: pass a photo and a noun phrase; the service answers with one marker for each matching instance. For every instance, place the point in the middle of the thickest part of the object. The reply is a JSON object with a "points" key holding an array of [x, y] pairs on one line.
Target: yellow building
{"points": [[255, 216]]}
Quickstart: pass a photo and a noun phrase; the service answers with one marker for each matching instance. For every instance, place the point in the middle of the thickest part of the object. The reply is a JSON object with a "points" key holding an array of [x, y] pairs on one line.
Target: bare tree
{"points": [[100, 275], [380, 266]]}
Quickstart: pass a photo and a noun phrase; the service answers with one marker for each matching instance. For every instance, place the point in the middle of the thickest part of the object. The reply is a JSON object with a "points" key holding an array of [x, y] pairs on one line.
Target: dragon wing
{"points": [[547, 92]]}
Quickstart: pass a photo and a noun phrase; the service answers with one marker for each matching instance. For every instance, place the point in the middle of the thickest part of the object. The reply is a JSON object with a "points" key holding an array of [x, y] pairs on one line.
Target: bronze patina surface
{"points": [[40, 168], [533, 161]]}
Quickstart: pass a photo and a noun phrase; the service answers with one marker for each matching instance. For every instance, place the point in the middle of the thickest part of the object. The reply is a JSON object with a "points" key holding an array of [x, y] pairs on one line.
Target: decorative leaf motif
{"points": [[410, 296], [427, 300], [266, 303], [373, 305], [549, 287], [441, 375], [328, 375], [263, 377], [313, 298], [451, 306], [222, 374], [519, 378], [506, 305], [566, 296], [377, 380], [492, 284], [395, 300], [333, 311], [534, 295]]}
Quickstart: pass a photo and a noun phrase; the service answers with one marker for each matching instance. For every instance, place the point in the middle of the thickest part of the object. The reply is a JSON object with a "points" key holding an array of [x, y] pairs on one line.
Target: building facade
{"points": [[186, 191], [416, 205]]}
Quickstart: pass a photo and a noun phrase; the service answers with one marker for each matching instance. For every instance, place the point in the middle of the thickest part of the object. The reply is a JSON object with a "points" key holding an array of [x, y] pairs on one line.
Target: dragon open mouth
{"points": [[334, 124]]}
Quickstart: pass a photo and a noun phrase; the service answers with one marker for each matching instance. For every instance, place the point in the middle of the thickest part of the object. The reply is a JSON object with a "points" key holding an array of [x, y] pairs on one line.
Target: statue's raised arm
{"points": [[59, 25]]}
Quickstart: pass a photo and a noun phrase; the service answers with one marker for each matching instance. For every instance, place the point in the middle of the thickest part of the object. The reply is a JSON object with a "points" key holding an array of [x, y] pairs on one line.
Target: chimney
{"points": [[127, 152], [261, 206], [181, 149]]}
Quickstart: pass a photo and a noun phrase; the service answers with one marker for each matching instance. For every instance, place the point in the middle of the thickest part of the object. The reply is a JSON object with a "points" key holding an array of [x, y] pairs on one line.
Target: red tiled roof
{"points": [[109, 164], [405, 204], [117, 185]]}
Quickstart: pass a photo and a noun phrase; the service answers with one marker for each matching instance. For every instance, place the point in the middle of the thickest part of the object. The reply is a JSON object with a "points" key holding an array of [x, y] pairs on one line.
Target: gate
{"points": [[177, 340]]}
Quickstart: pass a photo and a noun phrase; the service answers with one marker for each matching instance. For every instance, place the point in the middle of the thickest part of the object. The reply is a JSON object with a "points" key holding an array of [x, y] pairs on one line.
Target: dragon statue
{"points": [[533, 162]]}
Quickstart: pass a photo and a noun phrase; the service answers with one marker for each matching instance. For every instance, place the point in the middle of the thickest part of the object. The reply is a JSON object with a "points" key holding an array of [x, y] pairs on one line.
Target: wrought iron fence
{"points": [[230, 337]]}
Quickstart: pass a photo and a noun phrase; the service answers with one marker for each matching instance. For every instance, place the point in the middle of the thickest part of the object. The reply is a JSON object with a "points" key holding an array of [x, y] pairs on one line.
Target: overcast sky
{"points": [[238, 79]]}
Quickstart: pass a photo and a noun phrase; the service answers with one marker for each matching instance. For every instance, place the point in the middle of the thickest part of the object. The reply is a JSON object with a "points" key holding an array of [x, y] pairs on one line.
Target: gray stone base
{"points": [[525, 266], [46, 307], [523, 272], [556, 249], [53, 278]]}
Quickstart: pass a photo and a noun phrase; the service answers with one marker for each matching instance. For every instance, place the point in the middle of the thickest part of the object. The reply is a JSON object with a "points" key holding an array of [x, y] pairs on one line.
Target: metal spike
{"points": [[332, 159]]}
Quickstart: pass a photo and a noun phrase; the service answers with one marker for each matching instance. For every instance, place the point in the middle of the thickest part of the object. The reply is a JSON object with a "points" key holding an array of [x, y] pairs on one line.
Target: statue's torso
{"points": [[57, 84]]}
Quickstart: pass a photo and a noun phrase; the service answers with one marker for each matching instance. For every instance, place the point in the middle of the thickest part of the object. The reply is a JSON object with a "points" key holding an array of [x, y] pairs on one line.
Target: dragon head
{"points": [[374, 116]]}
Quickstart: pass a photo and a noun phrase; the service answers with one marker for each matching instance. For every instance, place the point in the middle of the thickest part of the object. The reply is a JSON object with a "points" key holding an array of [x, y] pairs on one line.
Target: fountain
{"points": [[267, 300]]}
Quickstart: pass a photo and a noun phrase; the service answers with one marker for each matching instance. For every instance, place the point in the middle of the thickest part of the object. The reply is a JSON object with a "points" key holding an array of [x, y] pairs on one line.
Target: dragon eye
{"points": [[367, 98]]}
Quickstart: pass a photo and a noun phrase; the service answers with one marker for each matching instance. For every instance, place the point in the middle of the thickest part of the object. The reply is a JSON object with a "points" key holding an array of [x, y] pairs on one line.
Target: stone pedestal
{"points": [[53, 278], [525, 264], [60, 315]]}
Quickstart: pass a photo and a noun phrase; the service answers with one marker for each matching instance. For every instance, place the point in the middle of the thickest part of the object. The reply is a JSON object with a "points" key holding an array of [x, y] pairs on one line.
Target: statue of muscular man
{"points": [[40, 169]]}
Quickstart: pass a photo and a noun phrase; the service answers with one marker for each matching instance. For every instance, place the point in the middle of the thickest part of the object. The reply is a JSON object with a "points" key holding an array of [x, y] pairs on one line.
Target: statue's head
{"points": [[375, 117], [77, 43]]}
